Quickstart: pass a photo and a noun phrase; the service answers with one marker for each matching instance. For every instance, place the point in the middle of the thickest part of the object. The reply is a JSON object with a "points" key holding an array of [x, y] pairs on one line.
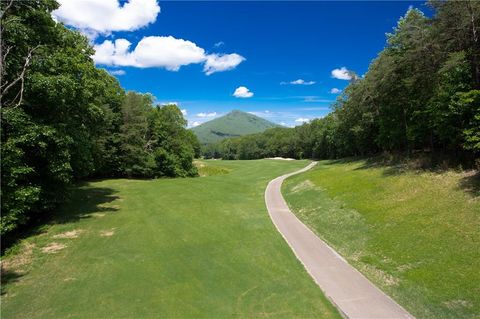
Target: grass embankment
{"points": [[169, 248], [416, 234]]}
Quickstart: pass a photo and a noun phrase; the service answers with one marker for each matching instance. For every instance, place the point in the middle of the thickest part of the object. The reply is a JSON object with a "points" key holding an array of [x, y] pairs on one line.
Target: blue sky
{"points": [[262, 46]]}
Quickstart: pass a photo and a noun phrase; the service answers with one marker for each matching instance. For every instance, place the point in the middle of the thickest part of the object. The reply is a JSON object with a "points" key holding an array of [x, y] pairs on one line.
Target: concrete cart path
{"points": [[353, 294]]}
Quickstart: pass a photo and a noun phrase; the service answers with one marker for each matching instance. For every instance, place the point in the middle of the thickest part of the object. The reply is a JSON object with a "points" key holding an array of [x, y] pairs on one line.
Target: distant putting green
{"points": [[415, 234], [169, 248]]}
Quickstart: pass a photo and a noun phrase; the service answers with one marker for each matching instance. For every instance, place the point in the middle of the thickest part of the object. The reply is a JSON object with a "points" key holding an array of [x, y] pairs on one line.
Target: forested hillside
{"points": [[235, 123], [63, 119], [421, 94]]}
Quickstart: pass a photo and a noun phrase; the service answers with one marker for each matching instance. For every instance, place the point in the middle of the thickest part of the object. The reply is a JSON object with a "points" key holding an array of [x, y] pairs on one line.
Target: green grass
{"points": [[415, 234], [205, 169], [168, 248]]}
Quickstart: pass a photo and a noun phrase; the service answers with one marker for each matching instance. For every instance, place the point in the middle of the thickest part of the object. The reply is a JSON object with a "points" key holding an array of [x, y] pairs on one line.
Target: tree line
{"points": [[63, 119], [421, 94]]}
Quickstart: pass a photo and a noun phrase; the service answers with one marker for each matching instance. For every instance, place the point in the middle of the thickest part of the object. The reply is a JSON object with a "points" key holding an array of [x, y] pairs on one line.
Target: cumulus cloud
{"points": [[117, 72], [302, 120], [162, 52], [105, 16], [221, 62], [219, 44], [342, 73], [184, 112], [299, 82], [165, 52], [335, 91], [242, 92], [205, 114]]}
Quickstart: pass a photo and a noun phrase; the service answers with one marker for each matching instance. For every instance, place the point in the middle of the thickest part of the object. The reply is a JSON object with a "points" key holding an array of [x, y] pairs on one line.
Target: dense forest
{"points": [[421, 94], [64, 120]]}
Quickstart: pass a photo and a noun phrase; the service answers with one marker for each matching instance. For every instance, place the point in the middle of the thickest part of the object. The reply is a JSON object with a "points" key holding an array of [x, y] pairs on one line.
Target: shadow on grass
{"points": [[393, 166], [83, 202], [8, 277], [471, 183]]}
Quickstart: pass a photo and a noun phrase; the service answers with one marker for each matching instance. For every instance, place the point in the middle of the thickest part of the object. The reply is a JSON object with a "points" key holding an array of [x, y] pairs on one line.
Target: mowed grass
{"points": [[169, 248], [414, 234]]}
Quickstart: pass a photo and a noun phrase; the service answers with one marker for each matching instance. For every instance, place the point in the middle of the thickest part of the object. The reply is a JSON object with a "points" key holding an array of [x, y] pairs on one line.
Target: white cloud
{"points": [[335, 91], [302, 82], [205, 114], [242, 92], [105, 16], [166, 52], [194, 123], [314, 98], [342, 74], [219, 44], [302, 120], [162, 52], [117, 72], [222, 62], [184, 112], [299, 82]]}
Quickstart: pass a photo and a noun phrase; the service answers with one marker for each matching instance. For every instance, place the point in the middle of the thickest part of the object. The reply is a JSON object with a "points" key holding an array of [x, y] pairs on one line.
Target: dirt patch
{"points": [[53, 248], [19, 260], [107, 233], [69, 234], [97, 215]]}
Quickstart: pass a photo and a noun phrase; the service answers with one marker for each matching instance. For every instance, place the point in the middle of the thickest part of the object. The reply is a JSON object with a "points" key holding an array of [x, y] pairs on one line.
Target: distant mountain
{"points": [[236, 123]]}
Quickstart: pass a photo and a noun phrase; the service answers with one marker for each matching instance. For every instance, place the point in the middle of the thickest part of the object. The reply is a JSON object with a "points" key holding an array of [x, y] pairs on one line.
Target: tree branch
{"points": [[2, 13], [20, 78]]}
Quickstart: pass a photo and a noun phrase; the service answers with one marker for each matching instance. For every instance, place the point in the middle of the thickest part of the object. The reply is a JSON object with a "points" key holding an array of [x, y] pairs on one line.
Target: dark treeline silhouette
{"points": [[64, 120], [421, 94]]}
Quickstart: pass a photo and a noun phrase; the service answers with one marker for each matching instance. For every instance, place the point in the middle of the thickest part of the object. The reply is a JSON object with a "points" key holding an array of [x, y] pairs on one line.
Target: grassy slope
{"points": [[235, 123], [417, 235], [202, 247]]}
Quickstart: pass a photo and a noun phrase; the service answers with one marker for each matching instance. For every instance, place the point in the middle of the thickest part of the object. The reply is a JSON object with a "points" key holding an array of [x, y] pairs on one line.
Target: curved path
{"points": [[353, 294]]}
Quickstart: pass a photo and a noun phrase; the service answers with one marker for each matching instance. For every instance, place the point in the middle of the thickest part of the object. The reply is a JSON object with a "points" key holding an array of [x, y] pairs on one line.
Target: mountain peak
{"points": [[235, 123], [237, 112]]}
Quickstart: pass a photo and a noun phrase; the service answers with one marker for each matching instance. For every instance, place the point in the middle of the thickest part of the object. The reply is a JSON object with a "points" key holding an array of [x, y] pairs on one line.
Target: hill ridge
{"points": [[233, 124]]}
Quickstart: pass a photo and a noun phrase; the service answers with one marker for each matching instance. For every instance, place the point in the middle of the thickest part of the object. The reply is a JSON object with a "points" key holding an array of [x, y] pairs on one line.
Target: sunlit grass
{"points": [[168, 248], [414, 233]]}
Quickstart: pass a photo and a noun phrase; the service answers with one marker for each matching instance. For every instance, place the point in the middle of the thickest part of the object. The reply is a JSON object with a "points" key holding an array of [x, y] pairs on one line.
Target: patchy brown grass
{"points": [[107, 233], [69, 234], [53, 248], [20, 260]]}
